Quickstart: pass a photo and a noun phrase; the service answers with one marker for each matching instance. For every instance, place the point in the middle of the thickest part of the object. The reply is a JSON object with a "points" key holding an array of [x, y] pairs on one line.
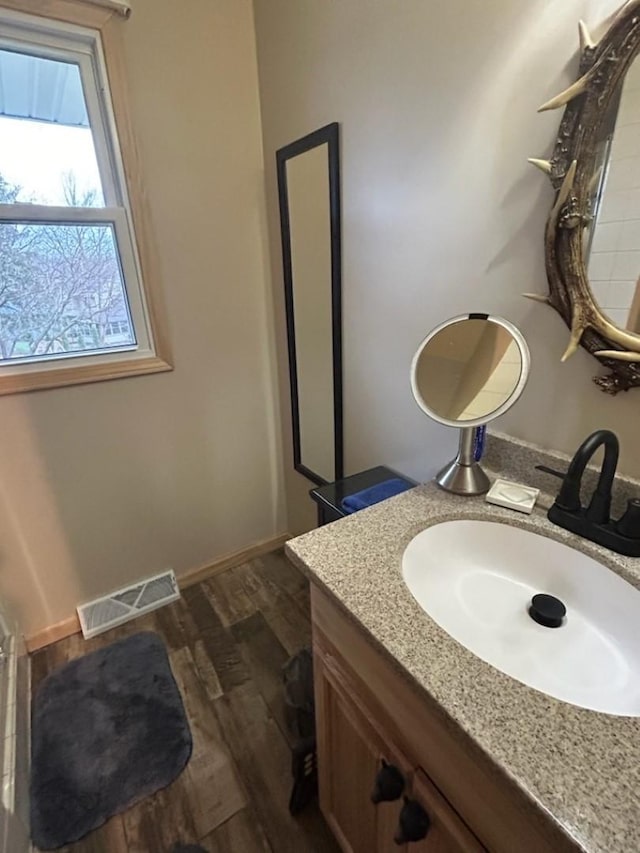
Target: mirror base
{"points": [[463, 475], [463, 479]]}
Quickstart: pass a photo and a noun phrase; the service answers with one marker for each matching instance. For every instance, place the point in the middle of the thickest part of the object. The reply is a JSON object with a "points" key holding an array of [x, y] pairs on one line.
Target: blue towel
{"points": [[375, 494]]}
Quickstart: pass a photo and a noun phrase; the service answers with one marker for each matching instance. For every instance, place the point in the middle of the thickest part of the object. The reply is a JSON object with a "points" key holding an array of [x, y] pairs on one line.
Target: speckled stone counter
{"points": [[581, 767]]}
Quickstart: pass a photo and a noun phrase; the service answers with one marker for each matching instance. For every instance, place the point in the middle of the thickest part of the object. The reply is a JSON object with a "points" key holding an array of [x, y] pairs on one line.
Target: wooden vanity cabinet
{"points": [[367, 711], [351, 750]]}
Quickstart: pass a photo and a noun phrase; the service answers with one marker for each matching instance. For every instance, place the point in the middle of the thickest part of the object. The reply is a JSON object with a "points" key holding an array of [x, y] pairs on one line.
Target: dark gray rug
{"points": [[108, 729]]}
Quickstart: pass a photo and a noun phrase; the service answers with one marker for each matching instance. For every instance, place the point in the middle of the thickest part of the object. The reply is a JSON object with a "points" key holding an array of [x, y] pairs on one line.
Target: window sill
{"points": [[58, 378]]}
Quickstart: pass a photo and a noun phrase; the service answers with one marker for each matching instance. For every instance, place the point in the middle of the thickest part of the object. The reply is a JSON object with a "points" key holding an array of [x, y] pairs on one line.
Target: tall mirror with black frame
{"points": [[309, 193]]}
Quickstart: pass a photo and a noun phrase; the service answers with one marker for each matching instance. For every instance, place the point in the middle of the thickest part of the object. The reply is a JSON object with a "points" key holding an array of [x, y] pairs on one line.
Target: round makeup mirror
{"points": [[467, 372]]}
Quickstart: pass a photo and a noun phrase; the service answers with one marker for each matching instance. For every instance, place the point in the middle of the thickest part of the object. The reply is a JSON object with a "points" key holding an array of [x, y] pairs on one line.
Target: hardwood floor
{"points": [[227, 639]]}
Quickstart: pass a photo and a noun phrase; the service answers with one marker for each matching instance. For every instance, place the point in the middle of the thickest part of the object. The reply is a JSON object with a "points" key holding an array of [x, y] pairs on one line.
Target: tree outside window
{"points": [[60, 285]]}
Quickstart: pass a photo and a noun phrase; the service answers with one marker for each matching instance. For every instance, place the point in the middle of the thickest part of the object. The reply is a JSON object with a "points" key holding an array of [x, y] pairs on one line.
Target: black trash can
{"points": [[297, 675]]}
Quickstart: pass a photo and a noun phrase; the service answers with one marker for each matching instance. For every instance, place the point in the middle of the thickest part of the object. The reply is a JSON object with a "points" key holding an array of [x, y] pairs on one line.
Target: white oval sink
{"points": [[476, 579]]}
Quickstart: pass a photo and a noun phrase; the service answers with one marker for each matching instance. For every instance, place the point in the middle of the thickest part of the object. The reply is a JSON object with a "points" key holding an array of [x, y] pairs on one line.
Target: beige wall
{"points": [[102, 484], [441, 213]]}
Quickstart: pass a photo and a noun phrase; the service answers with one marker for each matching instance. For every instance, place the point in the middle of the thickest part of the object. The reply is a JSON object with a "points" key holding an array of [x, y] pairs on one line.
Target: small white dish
{"points": [[513, 496]]}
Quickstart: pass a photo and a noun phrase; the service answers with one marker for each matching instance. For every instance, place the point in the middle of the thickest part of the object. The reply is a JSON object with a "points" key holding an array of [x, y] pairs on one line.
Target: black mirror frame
{"points": [[329, 135]]}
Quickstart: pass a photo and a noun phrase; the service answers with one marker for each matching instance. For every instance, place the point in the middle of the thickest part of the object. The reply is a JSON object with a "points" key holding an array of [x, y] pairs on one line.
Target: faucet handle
{"points": [[629, 524], [569, 495], [560, 474]]}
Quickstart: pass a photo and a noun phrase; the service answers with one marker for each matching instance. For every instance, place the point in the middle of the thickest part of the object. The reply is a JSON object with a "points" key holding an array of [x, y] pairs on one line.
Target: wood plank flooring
{"points": [[227, 639]]}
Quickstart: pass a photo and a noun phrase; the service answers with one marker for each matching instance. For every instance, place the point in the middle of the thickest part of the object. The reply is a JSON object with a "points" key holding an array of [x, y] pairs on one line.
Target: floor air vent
{"points": [[125, 604]]}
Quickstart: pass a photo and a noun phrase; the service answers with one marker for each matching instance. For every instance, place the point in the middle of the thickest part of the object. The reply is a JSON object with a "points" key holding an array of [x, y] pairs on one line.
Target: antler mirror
{"points": [[592, 236]]}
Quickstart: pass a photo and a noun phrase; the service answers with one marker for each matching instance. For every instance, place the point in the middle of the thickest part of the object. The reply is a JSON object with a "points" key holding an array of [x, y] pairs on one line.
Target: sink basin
{"points": [[476, 579]]}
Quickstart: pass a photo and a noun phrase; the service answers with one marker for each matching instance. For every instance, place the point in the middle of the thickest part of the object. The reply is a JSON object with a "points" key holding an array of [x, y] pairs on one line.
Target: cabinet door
{"points": [[350, 753], [448, 833]]}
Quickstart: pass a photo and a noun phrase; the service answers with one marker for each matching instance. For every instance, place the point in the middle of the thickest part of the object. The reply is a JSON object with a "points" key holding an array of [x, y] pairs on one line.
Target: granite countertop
{"points": [[581, 767]]}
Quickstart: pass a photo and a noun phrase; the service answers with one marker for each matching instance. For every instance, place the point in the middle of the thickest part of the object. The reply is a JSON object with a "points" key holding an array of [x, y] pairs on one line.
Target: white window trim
{"points": [[94, 49]]}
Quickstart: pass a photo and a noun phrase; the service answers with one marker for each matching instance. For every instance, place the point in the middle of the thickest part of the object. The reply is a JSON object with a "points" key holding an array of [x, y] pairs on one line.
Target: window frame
{"points": [[125, 211]]}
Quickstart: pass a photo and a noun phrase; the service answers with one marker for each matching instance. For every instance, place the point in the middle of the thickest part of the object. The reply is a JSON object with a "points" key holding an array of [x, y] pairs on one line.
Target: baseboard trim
{"points": [[71, 625], [234, 559], [53, 633]]}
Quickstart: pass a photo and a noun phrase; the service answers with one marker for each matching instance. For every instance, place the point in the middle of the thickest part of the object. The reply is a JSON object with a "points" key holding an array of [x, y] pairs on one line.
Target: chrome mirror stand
{"points": [[463, 475]]}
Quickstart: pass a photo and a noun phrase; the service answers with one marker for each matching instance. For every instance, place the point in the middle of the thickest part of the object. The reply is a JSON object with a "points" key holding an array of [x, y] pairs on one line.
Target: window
{"points": [[73, 302], [119, 327]]}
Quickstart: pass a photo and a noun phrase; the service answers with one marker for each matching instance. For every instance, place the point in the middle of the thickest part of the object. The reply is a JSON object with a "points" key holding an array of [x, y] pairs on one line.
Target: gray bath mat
{"points": [[108, 730]]}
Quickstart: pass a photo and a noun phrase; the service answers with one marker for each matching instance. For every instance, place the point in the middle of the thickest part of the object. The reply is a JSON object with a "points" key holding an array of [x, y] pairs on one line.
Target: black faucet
{"points": [[594, 522]]}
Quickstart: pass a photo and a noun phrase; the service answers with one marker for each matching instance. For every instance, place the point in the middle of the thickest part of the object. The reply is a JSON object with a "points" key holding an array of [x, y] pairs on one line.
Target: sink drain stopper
{"points": [[547, 610]]}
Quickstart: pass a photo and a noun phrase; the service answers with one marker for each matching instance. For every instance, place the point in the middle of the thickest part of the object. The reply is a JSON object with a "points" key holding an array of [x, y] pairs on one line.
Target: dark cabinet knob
{"points": [[389, 784], [414, 823], [629, 524]]}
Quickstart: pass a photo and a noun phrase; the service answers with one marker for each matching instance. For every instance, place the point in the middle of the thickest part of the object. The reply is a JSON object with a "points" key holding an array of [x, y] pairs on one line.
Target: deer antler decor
{"points": [[571, 169]]}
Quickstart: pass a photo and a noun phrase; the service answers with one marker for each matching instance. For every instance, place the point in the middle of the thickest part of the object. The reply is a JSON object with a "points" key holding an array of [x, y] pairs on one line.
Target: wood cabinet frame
{"points": [[499, 814]]}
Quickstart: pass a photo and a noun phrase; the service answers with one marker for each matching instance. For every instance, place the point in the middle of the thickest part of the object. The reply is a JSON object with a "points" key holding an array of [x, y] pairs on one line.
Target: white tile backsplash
{"points": [[617, 316], [601, 266], [633, 200], [620, 294], [626, 142], [626, 266], [629, 238], [614, 262], [623, 174], [606, 237], [615, 204], [600, 290]]}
